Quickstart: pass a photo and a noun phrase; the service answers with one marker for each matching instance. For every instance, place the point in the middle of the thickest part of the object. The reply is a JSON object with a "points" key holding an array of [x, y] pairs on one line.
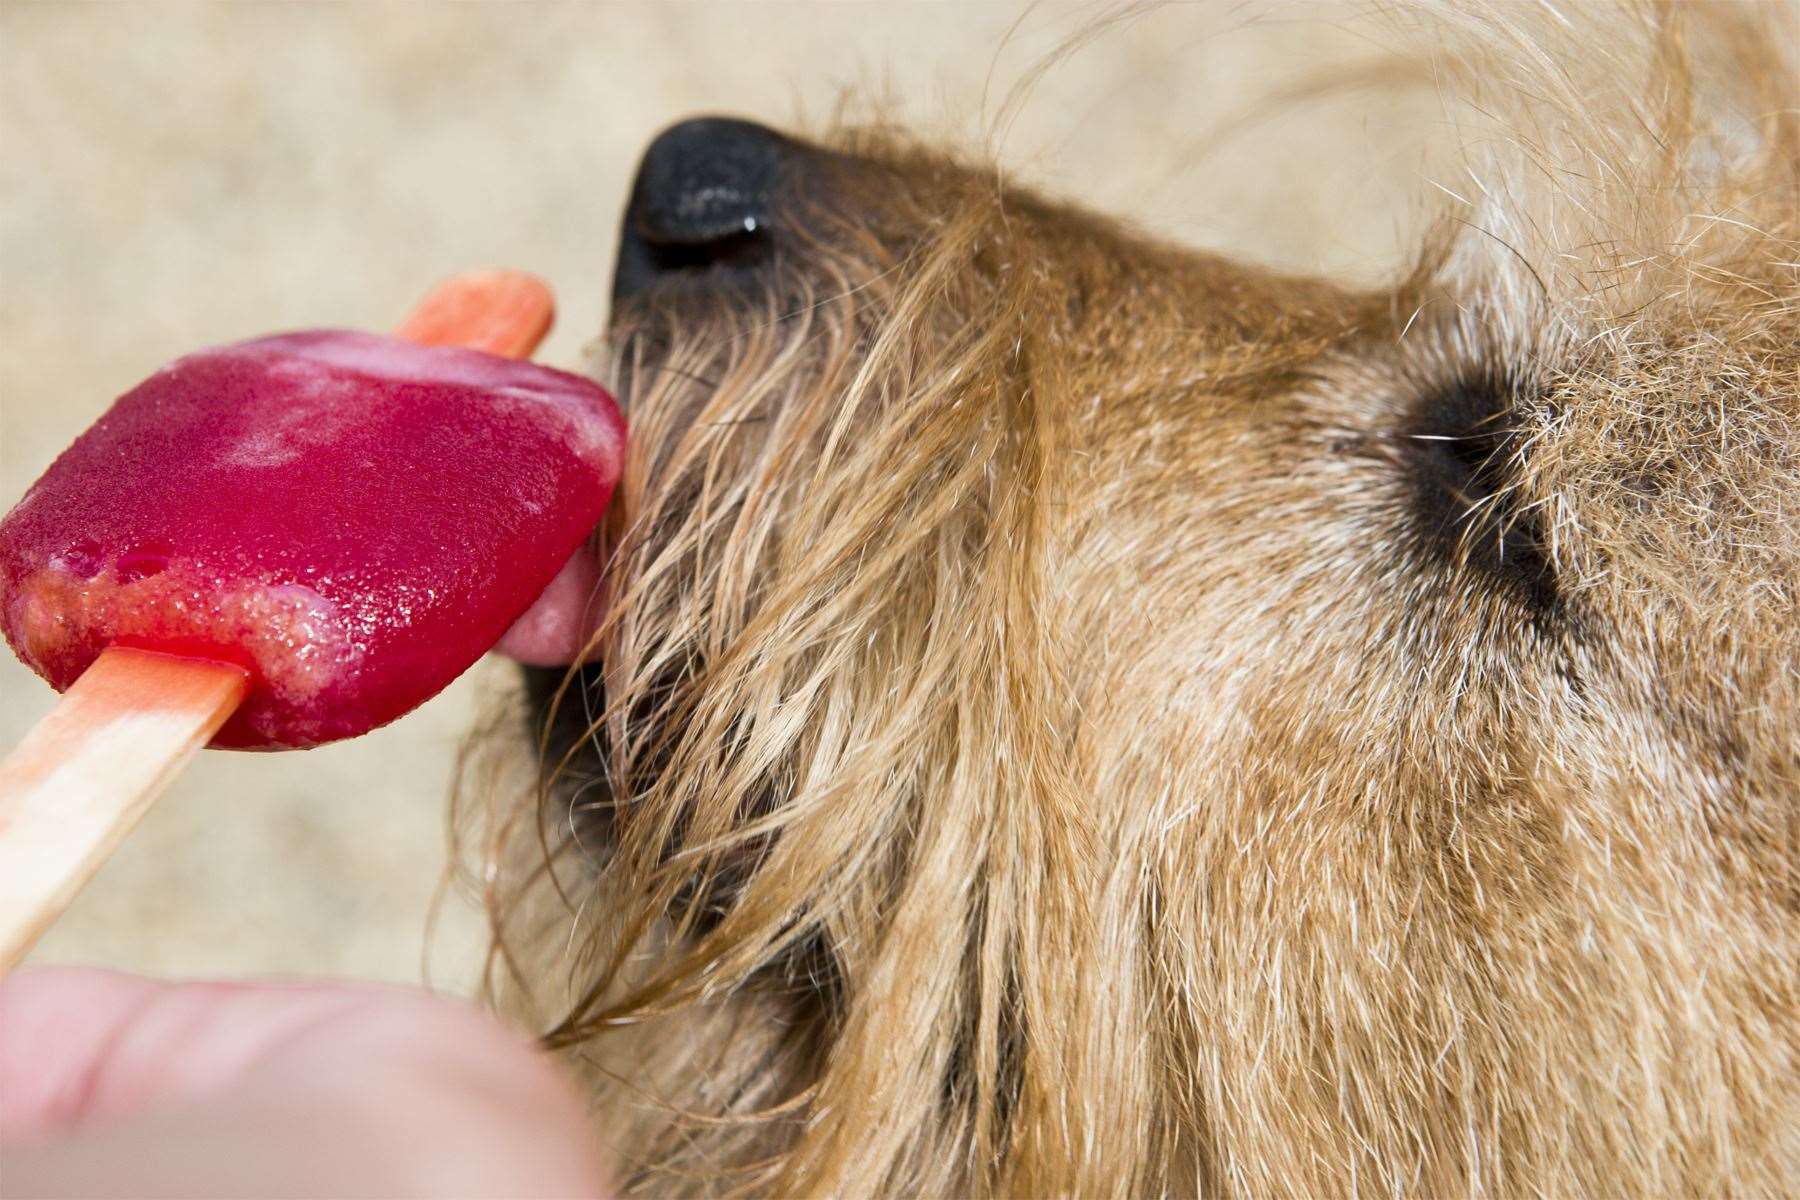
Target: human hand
{"points": [[114, 1085]]}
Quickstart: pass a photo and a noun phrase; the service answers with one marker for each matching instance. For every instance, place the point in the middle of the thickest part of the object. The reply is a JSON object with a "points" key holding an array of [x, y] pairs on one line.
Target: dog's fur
{"points": [[1081, 717]]}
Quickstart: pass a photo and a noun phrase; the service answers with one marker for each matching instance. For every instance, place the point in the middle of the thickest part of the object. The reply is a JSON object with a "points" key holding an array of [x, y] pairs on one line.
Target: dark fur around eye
{"points": [[1461, 444]]}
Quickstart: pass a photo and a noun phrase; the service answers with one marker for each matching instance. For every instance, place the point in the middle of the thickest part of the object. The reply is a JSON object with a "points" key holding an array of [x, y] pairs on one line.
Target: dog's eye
{"points": [[1462, 445]]}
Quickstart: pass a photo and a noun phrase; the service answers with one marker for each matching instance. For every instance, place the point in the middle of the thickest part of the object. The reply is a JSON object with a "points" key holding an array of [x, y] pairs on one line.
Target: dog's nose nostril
{"points": [[702, 199]]}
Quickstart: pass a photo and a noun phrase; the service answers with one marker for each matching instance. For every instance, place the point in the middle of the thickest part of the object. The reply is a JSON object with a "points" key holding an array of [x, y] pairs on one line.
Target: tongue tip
{"points": [[555, 630]]}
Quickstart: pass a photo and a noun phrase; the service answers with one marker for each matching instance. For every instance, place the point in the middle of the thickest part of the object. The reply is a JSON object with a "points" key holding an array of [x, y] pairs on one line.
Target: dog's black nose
{"points": [[703, 199]]}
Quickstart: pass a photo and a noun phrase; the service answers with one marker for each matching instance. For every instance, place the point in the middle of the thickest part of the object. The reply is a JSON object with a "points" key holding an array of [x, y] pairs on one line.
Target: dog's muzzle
{"points": [[703, 207]]}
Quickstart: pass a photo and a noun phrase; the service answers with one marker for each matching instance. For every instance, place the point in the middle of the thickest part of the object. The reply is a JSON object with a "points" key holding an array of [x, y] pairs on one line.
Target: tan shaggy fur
{"points": [[1083, 717]]}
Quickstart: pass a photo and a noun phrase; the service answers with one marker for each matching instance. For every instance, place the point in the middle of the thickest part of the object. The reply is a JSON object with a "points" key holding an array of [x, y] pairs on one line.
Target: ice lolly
{"points": [[352, 519], [329, 526]]}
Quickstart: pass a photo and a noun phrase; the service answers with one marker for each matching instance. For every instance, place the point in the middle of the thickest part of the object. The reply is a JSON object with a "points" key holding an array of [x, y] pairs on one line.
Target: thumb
{"points": [[78, 1045], [115, 1085]]}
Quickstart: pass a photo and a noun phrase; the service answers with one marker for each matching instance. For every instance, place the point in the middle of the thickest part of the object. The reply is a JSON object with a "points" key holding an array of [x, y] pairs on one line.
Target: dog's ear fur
{"points": [[1034, 763]]}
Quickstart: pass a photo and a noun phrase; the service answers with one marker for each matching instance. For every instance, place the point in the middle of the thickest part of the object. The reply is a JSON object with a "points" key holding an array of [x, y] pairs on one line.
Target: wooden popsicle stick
{"points": [[86, 773], [502, 312]]}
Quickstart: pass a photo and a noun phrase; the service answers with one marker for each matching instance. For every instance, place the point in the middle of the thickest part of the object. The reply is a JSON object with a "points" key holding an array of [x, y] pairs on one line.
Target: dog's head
{"points": [[1075, 714]]}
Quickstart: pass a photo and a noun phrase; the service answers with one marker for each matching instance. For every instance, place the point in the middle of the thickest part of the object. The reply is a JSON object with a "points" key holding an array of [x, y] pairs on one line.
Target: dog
{"points": [[1074, 715]]}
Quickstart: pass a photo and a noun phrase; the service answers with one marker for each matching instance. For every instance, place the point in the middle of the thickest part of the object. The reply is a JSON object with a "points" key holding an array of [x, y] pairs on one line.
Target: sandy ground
{"points": [[175, 176]]}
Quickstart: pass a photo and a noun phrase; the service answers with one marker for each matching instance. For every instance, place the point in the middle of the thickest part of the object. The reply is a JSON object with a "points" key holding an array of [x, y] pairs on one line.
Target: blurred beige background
{"points": [[173, 176]]}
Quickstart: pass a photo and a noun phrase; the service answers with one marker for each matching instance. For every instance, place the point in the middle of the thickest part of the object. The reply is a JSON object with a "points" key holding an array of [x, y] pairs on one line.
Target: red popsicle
{"points": [[331, 525], [352, 519]]}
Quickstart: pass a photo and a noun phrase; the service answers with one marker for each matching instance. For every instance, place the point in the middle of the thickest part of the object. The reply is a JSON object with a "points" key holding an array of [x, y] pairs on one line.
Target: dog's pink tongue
{"points": [[554, 631]]}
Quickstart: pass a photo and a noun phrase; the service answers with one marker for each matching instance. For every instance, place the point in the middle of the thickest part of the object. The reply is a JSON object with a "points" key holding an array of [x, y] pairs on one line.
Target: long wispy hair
{"points": [[825, 890]]}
